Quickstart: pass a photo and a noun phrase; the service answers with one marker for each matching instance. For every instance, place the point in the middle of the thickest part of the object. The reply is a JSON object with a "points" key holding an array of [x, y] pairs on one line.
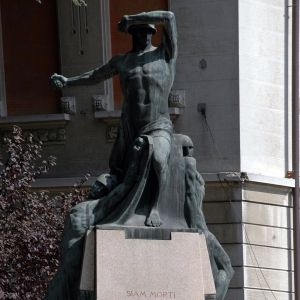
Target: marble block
{"points": [[138, 268]]}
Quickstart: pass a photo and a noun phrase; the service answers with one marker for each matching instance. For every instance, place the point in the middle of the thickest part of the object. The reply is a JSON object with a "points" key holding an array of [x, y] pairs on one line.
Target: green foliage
{"points": [[30, 223]]}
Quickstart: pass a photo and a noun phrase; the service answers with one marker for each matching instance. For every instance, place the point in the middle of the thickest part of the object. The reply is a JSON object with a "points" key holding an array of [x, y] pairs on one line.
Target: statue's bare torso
{"points": [[146, 80]]}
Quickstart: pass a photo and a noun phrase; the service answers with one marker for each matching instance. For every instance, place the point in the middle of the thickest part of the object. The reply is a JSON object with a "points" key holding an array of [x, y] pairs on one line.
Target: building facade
{"points": [[234, 60]]}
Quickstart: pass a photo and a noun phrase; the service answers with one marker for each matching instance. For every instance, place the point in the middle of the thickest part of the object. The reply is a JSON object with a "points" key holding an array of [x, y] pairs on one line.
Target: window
{"points": [[31, 55]]}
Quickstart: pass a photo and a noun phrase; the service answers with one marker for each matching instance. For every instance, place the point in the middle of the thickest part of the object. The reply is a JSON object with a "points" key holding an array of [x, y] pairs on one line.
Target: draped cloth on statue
{"points": [[115, 208], [127, 134], [120, 161]]}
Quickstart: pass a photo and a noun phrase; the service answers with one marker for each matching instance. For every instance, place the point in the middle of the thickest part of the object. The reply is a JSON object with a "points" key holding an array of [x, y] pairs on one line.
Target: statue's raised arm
{"points": [[166, 18], [127, 24]]}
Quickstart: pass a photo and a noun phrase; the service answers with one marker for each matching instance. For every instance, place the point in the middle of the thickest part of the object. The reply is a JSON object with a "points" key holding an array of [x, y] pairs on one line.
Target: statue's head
{"points": [[142, 33], [187, 146], [151, 28]]}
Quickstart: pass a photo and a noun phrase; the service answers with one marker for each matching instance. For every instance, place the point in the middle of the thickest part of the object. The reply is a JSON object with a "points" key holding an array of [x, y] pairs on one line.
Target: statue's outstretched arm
{"points": [[166, 18], [58, 82]]}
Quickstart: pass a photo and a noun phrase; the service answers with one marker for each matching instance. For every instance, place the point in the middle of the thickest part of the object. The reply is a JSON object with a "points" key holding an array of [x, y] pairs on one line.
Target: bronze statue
{"points": [[146, 77], [139, 190]]}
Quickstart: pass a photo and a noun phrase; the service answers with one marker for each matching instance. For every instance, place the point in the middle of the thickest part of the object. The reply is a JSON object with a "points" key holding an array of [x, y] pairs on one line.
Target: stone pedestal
{"points": [[127, 268]]}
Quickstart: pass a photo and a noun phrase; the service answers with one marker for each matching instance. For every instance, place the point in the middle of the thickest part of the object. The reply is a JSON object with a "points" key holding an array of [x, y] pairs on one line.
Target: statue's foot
{"points": [[154, 220]]}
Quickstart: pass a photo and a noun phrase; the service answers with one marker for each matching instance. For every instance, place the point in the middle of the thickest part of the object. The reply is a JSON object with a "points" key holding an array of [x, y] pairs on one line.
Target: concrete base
{"points": [[138, 268]]}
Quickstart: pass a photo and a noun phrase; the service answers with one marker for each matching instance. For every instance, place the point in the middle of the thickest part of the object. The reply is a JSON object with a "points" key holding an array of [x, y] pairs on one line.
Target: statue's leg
{"points": [[161, 152], [221, 282], [221, 265], [65, 283]]}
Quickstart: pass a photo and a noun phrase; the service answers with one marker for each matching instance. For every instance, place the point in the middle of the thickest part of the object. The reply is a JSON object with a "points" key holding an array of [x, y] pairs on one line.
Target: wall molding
{"points": [[247, 177], [28, 122], [46, 136], [68, 105]]}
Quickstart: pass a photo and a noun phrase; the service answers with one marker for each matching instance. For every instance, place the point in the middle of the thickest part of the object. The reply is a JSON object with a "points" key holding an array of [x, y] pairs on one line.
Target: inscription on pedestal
{"points": [[165, 295]]}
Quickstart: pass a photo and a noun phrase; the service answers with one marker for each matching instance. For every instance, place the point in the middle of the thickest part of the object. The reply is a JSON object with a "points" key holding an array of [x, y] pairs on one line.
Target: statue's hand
{"points": [[58, 82], [123, 25]]}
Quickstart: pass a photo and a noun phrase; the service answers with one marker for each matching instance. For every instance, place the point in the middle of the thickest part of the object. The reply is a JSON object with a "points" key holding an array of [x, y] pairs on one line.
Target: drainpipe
{"points": [[295, 118]]}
